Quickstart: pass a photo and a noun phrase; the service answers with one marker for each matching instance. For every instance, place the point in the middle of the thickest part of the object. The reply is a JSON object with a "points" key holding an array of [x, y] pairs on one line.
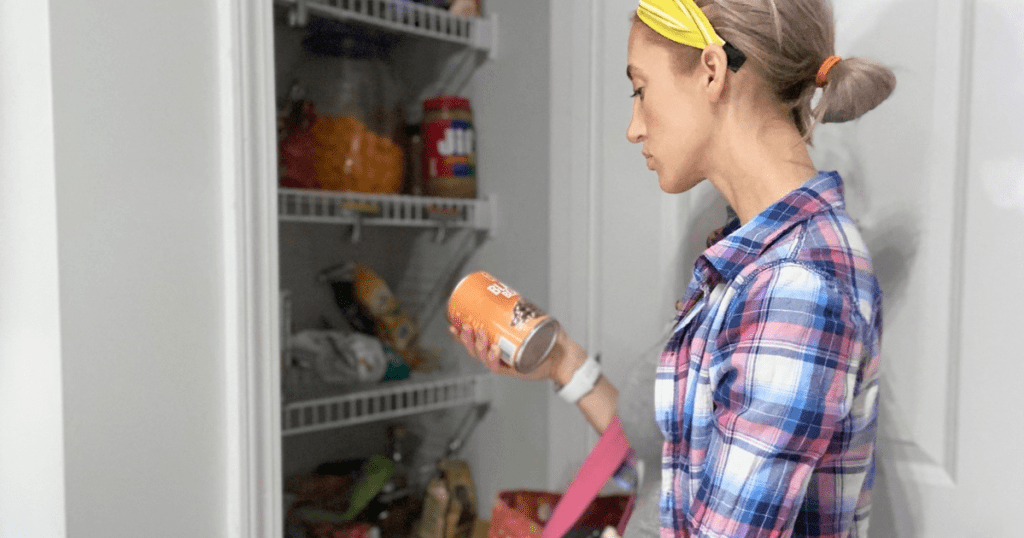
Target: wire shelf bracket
{"points": [[359, 210], [394, 400], [405, 17]]}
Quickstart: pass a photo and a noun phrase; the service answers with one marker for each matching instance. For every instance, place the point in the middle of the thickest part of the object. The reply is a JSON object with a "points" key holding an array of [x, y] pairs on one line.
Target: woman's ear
{"points": [[714, 67]]}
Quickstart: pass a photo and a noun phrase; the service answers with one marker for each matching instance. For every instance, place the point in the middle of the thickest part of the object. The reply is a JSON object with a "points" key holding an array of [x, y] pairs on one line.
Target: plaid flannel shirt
{"points": [[767, 390]]}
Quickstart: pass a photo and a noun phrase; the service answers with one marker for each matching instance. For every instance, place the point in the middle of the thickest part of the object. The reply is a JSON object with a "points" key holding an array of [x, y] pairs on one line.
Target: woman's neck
{"points": [[760, 162]]}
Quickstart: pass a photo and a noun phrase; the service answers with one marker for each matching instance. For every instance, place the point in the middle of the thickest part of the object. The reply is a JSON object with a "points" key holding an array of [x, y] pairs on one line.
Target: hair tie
{"points": [[826, 66]]}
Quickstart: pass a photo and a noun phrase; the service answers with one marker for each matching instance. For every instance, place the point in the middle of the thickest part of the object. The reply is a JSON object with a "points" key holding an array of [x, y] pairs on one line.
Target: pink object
{"points": [[605, 458], [528, 513]]}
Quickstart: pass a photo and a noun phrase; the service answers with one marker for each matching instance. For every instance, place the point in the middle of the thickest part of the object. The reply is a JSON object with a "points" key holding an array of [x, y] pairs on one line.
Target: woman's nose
{"points": [[636, 131]]}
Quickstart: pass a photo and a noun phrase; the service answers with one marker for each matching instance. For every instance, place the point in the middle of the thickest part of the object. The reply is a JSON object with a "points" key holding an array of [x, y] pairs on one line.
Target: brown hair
{"points": [[786, 42]]}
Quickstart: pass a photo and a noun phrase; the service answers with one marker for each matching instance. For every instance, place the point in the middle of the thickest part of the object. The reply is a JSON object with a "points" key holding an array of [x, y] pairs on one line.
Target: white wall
{"points": [[31, 410], [136, 125], [113, 393]]}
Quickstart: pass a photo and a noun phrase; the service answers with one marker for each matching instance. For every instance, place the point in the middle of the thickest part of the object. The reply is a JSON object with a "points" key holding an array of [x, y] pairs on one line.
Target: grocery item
{"points": [[356, 530], [524, 333], [297, 147], [414, 161], [465, 8], [351, 157], [341, 358], [369, 306], [391, 325], [337, 499], [450, 505], [449, 147], [346, 76]]}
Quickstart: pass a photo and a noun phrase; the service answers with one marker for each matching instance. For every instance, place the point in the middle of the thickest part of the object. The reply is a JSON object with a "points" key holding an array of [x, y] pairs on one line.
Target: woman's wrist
{"points": [[582, 383], [571, 358]]}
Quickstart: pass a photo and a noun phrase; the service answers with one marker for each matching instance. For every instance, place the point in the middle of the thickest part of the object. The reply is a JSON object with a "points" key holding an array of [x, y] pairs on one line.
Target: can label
{"points": [[524, 333], [449, 155]]}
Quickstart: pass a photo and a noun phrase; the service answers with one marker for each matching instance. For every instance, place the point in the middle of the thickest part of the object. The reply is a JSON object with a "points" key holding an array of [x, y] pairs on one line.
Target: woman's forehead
{"points": [[643, 52]]}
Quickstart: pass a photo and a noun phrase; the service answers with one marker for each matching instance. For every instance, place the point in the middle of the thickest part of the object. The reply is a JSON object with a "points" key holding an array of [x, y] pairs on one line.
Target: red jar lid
{"points": [[443, 102]]}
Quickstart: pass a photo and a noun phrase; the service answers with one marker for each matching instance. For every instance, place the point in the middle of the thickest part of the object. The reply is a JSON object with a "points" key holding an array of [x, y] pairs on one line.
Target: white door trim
{"points": [[935, 462], [248, 148], [575, 51]]}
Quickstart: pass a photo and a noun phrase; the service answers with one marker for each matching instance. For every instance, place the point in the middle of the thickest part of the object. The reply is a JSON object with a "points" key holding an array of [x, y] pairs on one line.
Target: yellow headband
{"points": [[679, 20]]}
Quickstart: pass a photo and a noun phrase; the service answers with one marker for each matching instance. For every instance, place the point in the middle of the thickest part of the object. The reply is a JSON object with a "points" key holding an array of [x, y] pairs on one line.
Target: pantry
{"points": [[376, 398]]}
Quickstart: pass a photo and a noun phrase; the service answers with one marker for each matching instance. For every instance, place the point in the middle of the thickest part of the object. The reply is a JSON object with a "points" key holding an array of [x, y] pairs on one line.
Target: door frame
{"points": [[574, 275], [249, 198]]}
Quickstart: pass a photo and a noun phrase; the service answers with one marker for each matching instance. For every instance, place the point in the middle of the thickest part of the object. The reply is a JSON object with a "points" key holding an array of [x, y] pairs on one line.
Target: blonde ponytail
{"points": [[853, 88], [786, 42]]}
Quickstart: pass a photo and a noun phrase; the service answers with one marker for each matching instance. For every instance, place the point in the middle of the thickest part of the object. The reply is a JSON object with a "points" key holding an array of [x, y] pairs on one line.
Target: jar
{"points": [[449, 147], [355, 100]]}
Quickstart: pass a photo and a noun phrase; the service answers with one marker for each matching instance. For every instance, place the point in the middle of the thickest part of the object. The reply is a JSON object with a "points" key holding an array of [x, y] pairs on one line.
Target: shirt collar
{"points": [[742, 245]]}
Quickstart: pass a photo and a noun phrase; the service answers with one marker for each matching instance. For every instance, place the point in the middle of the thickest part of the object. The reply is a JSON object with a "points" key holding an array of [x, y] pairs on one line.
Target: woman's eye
{"points": [[639, 92]]}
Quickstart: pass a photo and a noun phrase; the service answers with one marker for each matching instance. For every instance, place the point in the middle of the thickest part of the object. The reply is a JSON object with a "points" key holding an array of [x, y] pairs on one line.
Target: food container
{"points": [[355, 114], [524, 333], [449, 147]]}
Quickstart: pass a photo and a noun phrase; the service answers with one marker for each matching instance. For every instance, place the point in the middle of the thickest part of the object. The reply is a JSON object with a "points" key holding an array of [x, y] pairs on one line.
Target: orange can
{"points": [[524, 333]]}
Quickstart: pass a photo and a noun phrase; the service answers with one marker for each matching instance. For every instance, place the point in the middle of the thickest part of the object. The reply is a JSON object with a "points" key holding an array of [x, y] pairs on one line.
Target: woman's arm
{"points": [[599, 406]]}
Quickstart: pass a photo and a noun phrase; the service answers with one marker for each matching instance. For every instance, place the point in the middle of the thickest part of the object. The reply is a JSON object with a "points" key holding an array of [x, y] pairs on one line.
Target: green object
{"points": [[375, 473], [397, 371]]}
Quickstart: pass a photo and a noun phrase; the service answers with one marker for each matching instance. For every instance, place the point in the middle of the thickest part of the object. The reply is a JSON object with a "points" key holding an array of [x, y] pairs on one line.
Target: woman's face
{"points": [[671, 114]]}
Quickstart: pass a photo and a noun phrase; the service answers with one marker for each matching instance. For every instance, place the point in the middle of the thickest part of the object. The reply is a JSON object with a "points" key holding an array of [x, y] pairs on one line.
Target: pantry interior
{"points": [[384, 59]]}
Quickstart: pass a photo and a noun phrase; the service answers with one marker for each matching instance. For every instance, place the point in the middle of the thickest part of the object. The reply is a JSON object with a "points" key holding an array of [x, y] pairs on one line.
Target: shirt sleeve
{"points": [[782, 381]]}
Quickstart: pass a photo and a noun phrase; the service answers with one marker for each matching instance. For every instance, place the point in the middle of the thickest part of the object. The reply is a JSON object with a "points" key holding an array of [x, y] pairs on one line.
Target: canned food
{"points": [[524, 333], [449, 147]]}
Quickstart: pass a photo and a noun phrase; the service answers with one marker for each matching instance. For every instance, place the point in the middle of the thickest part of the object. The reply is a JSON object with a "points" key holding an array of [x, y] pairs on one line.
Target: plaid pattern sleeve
{"points": [[767, 391]]}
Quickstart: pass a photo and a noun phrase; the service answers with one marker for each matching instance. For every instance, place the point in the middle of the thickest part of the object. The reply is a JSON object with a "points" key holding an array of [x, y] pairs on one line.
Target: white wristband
{"points": [[582, 382]]}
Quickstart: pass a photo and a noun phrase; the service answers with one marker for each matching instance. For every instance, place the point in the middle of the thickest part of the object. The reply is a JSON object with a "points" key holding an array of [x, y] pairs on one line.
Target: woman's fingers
{"points": [[475, 342], [567, 353], [479, 347], [481, 344]]}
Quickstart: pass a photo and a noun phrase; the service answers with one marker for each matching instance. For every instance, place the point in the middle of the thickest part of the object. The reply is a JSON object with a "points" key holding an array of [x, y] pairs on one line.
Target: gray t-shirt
{"points": [[636, 412]]}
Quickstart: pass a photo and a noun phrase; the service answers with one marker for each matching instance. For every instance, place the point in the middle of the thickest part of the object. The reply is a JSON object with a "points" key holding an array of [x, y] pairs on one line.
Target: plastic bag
{"points": [[341, 358]]}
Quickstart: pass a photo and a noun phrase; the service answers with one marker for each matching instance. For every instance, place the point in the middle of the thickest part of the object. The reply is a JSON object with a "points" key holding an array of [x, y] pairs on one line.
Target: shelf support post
{"points": [[298, 15], [442, 231], [357, 228]]}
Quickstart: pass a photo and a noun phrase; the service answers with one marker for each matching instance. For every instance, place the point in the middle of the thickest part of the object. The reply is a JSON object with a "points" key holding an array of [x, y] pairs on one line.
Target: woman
{"points": [[766, 393]]}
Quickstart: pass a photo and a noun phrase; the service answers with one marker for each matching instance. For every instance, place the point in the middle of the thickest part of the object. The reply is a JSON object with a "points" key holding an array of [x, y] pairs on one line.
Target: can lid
{"points": [[442, 102]]}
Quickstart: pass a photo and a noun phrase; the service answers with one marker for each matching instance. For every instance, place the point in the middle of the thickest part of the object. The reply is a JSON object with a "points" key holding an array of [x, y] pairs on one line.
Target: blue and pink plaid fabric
{"points": [[767, 392]]}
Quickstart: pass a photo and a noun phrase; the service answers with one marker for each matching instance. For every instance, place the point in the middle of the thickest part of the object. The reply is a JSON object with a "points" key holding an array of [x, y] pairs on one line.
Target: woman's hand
{"points": [[599, 406], [563, 360]]}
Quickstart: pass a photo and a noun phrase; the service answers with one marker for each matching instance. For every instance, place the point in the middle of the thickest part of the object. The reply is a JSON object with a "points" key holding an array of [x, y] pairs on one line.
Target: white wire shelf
{"points": [[404, 17], [359, 209], [389, 401]]}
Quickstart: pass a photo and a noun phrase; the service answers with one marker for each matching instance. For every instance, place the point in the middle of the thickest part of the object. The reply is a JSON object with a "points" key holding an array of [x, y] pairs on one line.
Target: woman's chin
{"points": [[676, 185]]}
